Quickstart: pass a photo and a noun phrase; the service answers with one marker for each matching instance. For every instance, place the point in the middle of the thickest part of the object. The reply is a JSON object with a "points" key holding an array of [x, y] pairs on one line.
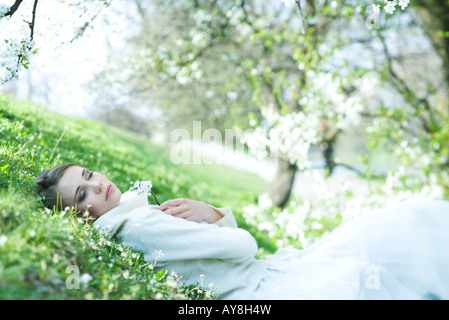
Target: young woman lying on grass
{"points": [[399, 252]]}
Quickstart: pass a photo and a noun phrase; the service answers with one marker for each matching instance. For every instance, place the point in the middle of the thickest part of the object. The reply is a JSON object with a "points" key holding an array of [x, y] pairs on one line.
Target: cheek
{"points": [[94, 211], [92, 205], [97, 207]]}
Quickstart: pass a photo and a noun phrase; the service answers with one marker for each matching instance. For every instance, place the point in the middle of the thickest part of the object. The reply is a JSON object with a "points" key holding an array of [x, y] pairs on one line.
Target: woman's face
{"points": [[84, 189]]}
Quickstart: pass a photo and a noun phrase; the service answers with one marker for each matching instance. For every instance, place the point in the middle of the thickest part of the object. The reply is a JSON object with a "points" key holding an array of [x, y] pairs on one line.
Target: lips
{"points": [[108, 191]]}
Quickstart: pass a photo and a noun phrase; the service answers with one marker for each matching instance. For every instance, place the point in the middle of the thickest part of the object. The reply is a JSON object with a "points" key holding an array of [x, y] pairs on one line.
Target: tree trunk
{"points": [[282, 184], [328, 155]]}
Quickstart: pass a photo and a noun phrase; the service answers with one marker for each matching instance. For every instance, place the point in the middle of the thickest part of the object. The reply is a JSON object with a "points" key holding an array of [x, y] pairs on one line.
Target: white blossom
{"points": [[257, 141], [142, 187], [232, 95], [265, 201], [159, 296], [292, 134], [85, 278], [4, 9], [10, 50], [403, 4], [390, 7], [3, 240], [66, 18], [210, 94]]}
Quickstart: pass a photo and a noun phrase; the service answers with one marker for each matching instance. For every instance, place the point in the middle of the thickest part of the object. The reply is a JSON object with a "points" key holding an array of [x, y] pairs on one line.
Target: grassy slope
{"points": [[36, 247]]}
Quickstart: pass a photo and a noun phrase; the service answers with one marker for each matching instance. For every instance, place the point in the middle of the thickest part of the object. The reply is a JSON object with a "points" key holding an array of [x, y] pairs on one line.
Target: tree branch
{"points": [[14, 8], [33, 19], [88, 23], [298, 3], [401, 85]]}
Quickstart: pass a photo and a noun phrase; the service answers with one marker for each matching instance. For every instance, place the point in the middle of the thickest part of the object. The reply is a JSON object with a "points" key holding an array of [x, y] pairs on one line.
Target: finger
{"points": [[172, 203], [174, 211], [167, 204], [187, 215], [183, 215], [190, 217]]}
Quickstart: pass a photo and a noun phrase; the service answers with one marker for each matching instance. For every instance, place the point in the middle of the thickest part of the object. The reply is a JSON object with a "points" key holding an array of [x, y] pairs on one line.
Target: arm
{"points": [[180, 239]]}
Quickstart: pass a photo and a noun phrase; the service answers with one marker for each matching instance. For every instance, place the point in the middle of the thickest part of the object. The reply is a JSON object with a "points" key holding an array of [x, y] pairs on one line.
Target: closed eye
{"points": [[88, 175], [83, 195]]}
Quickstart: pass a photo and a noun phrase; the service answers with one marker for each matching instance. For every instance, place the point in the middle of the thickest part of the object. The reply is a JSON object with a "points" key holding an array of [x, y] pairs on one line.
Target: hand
{"points": [[191, 210]]}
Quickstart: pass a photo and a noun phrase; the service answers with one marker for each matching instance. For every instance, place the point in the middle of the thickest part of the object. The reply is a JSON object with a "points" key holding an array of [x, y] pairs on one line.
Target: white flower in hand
{"points": [[143, 187]]}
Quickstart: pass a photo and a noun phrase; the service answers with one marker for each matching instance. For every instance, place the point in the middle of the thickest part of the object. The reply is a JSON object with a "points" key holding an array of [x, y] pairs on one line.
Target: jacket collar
{"points": [[129, 201]]}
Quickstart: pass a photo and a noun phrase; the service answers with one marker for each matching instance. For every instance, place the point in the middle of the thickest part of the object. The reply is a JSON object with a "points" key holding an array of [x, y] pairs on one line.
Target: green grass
{"points": [[38, 249]]}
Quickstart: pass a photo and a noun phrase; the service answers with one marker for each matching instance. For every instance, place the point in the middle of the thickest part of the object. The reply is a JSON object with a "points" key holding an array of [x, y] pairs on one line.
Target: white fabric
{"points": [[399, 252], [221, 252]]}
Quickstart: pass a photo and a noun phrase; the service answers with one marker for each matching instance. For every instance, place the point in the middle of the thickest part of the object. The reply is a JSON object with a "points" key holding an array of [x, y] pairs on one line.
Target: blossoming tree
{"points": [[27, 25], [275, 67], [272, 62]]}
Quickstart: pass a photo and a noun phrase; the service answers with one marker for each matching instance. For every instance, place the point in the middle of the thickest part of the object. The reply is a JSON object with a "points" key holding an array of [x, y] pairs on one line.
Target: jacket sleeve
{"points": [[228, 219], [166, 238]]}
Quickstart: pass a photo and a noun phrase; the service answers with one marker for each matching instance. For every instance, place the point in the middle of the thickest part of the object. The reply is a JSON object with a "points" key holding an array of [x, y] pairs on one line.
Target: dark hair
{"points": [[47, 185]]}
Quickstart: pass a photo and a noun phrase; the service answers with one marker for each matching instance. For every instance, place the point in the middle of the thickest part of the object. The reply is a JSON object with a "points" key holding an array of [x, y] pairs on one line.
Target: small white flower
{"points": [[210, 94], [85, 278], [4, 9], [3, 240], [316, 225], [232, 95], [265, 201], [375, 8], [390, 7], [252, 122], [142, 187], [32, 233], [403, 4]]}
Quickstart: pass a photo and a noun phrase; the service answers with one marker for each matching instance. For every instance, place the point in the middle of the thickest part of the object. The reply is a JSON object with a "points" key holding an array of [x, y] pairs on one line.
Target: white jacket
{"points": [[222, 252]]}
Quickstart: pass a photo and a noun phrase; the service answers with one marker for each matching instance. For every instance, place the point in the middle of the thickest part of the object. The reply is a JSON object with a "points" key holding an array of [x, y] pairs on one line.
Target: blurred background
{"points": [[330, 108], [342, 87]]}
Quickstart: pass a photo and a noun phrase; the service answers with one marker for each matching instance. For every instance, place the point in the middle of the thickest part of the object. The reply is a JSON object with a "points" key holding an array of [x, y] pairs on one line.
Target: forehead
{"points": [[68, 183]]}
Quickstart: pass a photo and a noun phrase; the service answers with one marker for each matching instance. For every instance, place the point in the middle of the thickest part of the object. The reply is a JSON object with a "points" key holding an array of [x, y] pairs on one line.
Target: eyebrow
{"points": [[77, 189]]}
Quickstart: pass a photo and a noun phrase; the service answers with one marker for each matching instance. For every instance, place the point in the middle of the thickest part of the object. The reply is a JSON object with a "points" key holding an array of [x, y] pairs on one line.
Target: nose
{"points": [[96, 186]]}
